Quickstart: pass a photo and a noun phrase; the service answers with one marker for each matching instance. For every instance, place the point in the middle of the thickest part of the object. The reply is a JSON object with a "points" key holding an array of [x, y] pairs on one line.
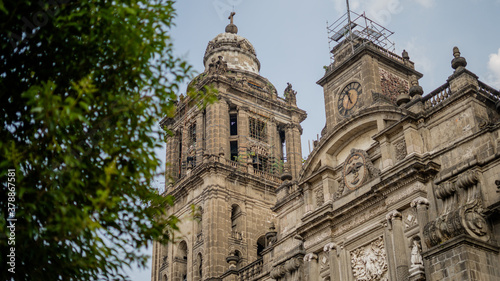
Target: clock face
{"points": [[354, 170], [348, 98]]}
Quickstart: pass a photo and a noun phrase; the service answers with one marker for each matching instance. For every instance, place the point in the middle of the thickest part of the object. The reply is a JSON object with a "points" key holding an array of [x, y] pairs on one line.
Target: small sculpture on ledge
{"points": [[217, 66], [290, 94]]}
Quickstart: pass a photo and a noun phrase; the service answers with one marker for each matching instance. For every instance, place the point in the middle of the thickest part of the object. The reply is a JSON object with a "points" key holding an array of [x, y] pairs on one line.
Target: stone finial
{"points": [[232, 260], [403, 97], [231, 27], [457, 61], [415, 89]]}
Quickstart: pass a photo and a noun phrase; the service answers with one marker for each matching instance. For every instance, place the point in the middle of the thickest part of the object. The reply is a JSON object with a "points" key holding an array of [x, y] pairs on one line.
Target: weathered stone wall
{"points": [[463, 260]]}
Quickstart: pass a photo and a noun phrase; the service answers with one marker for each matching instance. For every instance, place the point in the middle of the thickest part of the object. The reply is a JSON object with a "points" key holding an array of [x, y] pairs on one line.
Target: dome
{"points": [[236, 50]]}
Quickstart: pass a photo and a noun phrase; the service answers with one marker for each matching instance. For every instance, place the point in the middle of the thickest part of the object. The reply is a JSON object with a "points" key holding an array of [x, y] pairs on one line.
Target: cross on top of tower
{"points": [[231, 16], [231, 27]]}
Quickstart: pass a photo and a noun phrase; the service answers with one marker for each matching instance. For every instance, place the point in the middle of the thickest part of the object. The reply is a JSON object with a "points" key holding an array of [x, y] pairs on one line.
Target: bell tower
{"points": [[364, 70], [227, 161]]}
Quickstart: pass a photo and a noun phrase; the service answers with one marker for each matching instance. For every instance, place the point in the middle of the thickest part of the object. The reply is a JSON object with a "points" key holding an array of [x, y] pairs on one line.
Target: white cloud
{"points": [[426, 3], [494, 67], [379, 10], [418, 53]]}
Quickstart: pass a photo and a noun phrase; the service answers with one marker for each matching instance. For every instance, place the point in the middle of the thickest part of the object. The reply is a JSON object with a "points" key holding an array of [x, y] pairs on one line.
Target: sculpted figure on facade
{"points": [[369, 262], [416, 256]]}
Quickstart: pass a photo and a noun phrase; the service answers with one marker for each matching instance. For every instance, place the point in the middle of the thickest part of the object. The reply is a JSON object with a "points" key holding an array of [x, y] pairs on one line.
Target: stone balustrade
{"points": [[437, 96]]}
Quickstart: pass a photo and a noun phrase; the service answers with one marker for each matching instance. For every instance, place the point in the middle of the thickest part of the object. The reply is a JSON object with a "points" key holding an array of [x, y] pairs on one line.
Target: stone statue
{"points": [[221, 66], [290, 94], [416, 257]]}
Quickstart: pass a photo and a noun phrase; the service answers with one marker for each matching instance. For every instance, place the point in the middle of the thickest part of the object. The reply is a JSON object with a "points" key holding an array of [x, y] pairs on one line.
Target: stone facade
{"points": [[402, 185]]}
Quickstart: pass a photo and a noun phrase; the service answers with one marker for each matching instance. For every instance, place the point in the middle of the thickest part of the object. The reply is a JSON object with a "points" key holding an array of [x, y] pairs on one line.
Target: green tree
{"points": [[83, 85]]}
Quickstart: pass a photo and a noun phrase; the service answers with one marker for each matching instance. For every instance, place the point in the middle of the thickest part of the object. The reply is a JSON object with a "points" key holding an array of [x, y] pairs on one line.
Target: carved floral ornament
{"points": [[369, 262]]}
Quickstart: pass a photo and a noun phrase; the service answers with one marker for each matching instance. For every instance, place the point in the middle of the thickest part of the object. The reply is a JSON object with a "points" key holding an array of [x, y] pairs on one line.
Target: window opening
{"points": [[257, 129]]}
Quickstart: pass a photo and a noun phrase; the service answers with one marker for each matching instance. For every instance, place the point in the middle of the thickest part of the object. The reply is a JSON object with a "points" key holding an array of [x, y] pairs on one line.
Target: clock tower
{"points": [[364, 71]]}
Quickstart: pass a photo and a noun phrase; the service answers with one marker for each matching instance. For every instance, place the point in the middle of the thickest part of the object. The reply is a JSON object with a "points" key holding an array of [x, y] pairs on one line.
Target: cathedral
{"points": [[401, 185]]}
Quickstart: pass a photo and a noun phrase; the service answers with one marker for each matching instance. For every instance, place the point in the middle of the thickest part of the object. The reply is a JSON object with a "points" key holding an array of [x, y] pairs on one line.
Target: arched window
{"points": [[182, 250], [235, 214], [181, 260], [261, 245], [236, 222], [198, 220], [199, 267]]}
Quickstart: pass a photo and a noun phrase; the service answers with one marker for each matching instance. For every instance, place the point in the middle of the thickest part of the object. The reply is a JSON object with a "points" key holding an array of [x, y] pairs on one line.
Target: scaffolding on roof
{"points": [[352, 26]]}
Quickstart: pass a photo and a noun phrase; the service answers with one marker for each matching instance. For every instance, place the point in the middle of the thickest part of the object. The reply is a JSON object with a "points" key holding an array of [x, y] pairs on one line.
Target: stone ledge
{"points": [[459, 241]]}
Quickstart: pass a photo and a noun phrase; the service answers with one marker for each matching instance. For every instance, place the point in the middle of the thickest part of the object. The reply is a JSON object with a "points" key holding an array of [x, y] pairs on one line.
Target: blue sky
{"points": [[291, 42]]}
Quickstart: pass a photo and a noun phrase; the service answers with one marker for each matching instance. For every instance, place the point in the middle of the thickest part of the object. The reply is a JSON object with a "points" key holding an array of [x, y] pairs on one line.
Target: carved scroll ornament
{"points": [[462, 211]]}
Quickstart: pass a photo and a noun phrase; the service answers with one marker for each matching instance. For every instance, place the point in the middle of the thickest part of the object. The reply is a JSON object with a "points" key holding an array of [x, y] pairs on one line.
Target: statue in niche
{"points": [[416, 257]]}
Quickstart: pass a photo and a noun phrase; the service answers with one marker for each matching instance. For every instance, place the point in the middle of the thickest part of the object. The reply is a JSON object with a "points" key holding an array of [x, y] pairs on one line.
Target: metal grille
{"points": [[257, 129]]}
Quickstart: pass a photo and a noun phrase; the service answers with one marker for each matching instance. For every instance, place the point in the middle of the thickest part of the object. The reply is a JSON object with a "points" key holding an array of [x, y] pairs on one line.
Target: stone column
{"points": [[293, 148], [414, 142], [332, 250], [199, 138], [211, 117], [398, 240], [421, 204], [171, 149], [243, 131], [389, 249], [185, 148], [345, 264], [308, 197], [274, 141], [311, 261], [223, 139], [385, 151], [328, 186]]}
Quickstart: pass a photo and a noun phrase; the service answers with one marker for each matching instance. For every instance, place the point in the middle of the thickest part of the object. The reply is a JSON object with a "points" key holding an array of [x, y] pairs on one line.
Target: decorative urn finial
{"points": [[231, 27], [457, 61], [415, 89], [403, 97]]}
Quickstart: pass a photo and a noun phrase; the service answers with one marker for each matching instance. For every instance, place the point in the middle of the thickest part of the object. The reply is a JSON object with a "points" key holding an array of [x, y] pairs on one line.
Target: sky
{"points": [[291, 42]]}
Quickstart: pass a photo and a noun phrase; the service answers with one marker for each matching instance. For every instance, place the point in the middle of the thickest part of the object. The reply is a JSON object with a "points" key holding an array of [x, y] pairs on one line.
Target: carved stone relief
{"points": [[358, 169], [462, 213], [400, 149], [320, 198], [409, 217], [369, 262]]}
